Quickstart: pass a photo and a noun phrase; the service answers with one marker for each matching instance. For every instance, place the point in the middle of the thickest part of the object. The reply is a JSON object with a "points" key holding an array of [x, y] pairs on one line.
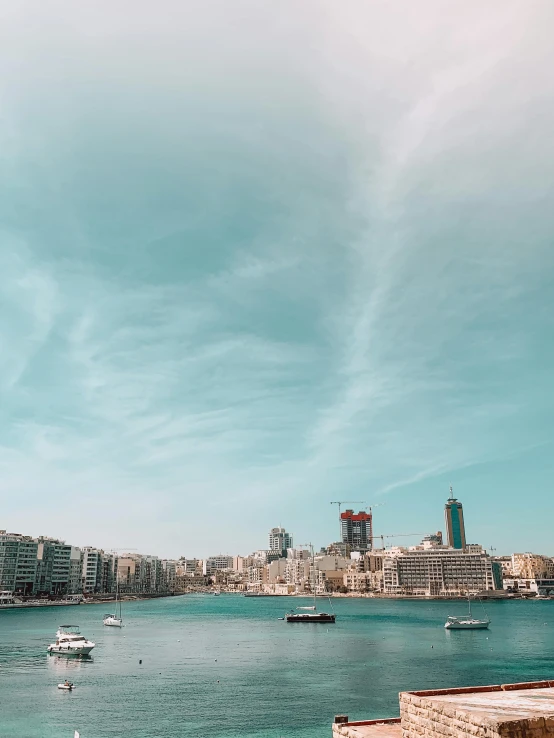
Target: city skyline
{"points": [[251, 268], [361, 538], [47, 568]]}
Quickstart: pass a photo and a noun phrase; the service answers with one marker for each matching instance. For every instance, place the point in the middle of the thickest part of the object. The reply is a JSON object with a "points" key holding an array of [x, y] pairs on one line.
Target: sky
{"points": [[256, 257]]}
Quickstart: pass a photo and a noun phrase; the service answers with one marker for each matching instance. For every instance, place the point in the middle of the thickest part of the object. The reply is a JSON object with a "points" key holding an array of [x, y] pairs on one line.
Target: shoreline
{"points": [[105, 600], [101, 600]]}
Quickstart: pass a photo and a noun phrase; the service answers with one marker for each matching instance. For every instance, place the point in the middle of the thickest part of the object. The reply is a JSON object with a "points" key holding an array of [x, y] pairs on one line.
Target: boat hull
{"points": [[475, 625], [114, 623], [80, 651], [320, 617]]}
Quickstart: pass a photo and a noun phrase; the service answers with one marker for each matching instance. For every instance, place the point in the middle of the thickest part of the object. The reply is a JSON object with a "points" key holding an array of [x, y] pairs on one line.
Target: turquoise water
{"points": [[227, 667]]}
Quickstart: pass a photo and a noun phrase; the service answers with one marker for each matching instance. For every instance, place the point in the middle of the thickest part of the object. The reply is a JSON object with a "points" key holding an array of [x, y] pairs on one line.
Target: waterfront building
{"points": [[357, 581], [328, 581], [18, 563], [139, 573], [53, 567], [152, 574], [279, 541], [75, 569], [108, 572], [91, 572], [454, 519], [169, 568], [439, 571], [356, 530], [128, 573], [215, 563], [365, 573]]}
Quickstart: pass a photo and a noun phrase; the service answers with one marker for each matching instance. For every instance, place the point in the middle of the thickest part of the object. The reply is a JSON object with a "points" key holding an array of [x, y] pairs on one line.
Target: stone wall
{"points": [[483, 714]]}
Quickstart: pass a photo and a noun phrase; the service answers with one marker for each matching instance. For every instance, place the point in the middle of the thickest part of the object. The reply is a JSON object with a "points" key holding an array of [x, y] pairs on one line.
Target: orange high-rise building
{"points": [[357, 530]]}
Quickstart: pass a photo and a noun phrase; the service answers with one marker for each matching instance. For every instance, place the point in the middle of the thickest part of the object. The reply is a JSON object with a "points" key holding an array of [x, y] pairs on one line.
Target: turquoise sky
{"points": [[258, 256]]}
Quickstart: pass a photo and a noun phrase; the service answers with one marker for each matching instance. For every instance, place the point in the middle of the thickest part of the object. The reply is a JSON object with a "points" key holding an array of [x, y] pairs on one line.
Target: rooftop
{"points": [[495, 707], [503, 711]]}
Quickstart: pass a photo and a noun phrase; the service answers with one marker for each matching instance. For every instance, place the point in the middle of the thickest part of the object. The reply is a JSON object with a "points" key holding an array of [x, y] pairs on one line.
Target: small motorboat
{"points": [[66, 685]]}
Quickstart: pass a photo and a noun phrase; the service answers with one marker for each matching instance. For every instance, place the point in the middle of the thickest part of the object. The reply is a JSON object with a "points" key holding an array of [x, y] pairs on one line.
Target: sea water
{"points": [[223, 667]]}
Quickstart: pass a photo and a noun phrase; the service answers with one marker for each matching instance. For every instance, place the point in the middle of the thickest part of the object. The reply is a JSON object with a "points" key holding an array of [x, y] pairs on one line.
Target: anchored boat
{"points": [[467, 622], [312, 616], [115, 619], [70, 642]]}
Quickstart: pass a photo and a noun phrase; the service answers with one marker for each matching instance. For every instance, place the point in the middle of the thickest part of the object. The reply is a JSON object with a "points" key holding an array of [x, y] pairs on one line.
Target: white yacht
{"points": [[70, 642]]}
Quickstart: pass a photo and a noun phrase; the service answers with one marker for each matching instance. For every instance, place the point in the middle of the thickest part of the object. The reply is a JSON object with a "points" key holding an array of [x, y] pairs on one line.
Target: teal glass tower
{"points": [[455, 528]]}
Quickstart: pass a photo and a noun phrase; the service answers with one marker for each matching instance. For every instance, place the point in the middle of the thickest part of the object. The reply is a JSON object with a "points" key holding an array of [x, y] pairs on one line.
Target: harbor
{"points": [[228, 666]]}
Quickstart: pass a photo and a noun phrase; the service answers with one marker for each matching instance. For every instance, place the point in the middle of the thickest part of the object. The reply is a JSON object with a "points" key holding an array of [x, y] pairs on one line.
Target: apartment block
{"points": [[53, 567], [215, 563], [439, 571], [18, 563], [75, 570], [532, 566]]}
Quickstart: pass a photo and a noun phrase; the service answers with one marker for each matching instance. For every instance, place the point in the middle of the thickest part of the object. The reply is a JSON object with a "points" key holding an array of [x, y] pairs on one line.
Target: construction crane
{"points": [[395, 535], [347, 502], [376, 504]]}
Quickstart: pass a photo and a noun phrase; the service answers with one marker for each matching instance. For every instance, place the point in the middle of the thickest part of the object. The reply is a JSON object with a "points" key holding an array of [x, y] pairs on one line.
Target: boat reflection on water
{"points": [[63, 663]]}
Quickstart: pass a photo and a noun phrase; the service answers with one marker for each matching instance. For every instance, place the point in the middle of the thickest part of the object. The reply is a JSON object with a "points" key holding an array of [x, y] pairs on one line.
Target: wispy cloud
{"points": [[310, 257]]}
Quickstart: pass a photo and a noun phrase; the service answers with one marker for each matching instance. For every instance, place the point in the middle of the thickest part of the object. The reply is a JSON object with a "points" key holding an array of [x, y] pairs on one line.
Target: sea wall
{"points": [[482, 712]]}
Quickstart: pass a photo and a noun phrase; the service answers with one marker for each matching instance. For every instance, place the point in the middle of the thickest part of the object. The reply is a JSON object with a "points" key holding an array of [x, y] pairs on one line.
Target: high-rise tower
{"points": [[455, 528], [279, 541], [357, 530]]}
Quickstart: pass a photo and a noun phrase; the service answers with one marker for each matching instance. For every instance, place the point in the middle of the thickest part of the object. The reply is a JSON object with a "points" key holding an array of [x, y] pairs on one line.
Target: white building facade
{"points": [[438, 571]]}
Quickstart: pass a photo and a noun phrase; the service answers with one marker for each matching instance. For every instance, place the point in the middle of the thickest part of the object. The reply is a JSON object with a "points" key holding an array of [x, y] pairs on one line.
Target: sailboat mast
{"points": [[313, 574]]}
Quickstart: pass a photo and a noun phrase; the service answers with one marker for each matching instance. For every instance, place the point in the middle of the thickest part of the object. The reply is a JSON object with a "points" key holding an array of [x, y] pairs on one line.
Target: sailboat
{"points": [[468, 622], [313, 616], [115, 619]]}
